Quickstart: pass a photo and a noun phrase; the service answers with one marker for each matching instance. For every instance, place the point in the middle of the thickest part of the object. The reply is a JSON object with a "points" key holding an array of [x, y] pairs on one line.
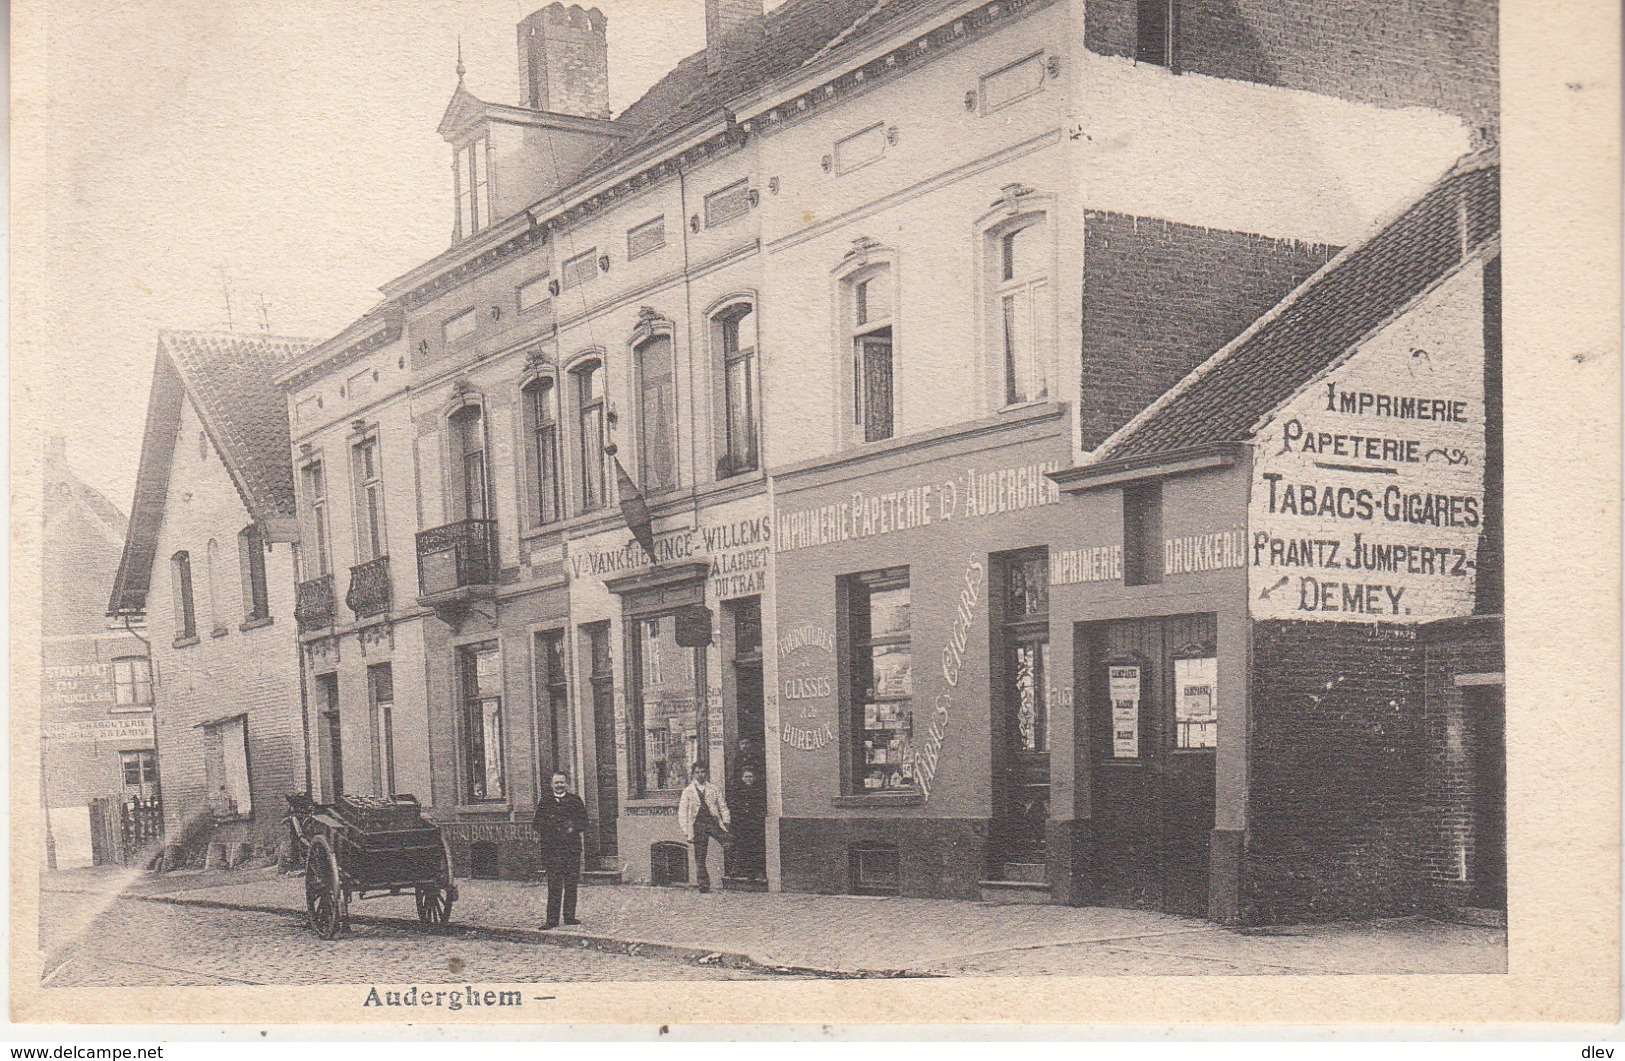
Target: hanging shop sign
{"points": [[1123, 688], [1367, 498]]}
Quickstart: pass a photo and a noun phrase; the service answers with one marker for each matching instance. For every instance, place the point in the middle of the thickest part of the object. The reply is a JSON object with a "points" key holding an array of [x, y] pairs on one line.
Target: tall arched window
{"points": [[180, 585], [869, 316], [588, 385], [468, 462], [542, 451], [1022, 311], [734, 336], [657, 413], [251, 564]]}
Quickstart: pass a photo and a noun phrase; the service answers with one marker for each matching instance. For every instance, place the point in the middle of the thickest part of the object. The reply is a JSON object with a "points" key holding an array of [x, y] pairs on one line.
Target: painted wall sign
{"points": [[100, 729], [1195, 553], [927, 752], [1367, 491], [1098, 563], [737, 551], [971, 494], [77, 683], [1123, 687]]}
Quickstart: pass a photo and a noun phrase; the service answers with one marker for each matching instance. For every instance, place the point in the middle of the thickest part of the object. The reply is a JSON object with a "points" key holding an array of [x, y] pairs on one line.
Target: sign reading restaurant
{"points": [[1367, 491]]}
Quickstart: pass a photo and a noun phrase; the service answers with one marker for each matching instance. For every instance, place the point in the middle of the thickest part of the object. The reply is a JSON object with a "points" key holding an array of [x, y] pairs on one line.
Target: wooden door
{"points": [[1021, 678], [602, 679], [1151, 729]]}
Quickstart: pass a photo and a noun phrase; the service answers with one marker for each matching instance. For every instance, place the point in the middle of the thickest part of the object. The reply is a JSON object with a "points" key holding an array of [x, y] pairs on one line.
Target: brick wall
{"points": [[1337, 825], [1159, 298], [1449, 856], [1396, 53]]}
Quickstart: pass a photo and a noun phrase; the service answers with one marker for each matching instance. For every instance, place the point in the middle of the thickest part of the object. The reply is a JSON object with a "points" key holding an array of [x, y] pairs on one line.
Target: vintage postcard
{"points": [[858, 511]]}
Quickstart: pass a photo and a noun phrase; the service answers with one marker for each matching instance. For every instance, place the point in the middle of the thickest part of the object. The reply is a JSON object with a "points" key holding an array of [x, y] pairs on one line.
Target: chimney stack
{"points": [[731, 28], [564, 61]]}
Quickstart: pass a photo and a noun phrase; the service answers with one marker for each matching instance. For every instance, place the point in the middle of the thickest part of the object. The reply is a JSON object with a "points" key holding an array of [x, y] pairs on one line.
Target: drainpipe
{"points": [[299, 660]]}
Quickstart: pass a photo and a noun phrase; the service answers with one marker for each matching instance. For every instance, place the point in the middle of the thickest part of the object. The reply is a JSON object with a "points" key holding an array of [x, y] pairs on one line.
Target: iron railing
{"points": [[457, 555], [371, 592], [313, 603]]}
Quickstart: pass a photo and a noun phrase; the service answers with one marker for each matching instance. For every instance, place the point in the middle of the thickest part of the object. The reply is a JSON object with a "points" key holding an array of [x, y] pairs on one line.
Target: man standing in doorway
{"points": [[703, 814], [560, 821]]}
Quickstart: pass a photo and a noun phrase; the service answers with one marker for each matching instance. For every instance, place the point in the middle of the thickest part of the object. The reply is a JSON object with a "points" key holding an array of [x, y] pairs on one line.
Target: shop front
{"points": [[670, 647], [924, 724]]}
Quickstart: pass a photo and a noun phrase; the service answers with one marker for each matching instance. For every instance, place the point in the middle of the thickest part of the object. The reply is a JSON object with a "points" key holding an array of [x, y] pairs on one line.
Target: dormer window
{"points": [[470, 171]]}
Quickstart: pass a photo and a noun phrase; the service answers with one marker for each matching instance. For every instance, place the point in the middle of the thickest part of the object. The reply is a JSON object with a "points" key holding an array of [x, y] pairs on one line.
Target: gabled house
{"points": [[209, 564]]}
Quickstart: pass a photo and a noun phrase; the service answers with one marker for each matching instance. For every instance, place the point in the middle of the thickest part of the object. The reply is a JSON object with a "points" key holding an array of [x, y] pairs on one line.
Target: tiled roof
{"points": [[231, 381], [1312, 329], [794, 33]]}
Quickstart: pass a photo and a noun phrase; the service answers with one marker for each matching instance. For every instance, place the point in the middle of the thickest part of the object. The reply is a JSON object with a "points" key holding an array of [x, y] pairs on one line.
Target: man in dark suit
{"points": [[561, 819]]}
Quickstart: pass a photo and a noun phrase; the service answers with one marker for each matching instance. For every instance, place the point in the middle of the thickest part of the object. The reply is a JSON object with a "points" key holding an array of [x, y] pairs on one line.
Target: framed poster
{"points": [[1196, 702], [1123, 688]]}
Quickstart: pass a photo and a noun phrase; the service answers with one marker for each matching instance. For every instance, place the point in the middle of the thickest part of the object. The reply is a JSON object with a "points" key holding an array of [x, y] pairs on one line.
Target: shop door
{"points": [[1152, 724], [748, 803], [1487, 726], [602, 679], [1021, 714]]}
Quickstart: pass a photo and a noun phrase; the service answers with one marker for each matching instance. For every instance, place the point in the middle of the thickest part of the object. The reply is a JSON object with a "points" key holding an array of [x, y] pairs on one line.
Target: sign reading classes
{"points": [[1368, 488]]}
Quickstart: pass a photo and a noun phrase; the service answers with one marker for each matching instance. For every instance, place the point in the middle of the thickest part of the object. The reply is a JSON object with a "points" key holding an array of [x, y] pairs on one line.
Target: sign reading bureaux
{"points": [[1368, 487]]}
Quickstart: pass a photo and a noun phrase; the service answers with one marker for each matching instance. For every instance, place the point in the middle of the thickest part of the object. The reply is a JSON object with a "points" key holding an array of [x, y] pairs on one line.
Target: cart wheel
{"points": [[324, 895], [434, 907]]}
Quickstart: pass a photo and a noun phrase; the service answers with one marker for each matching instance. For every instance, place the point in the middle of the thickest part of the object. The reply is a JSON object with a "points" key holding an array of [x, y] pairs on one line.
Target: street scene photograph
{"points": [[725, 490]]}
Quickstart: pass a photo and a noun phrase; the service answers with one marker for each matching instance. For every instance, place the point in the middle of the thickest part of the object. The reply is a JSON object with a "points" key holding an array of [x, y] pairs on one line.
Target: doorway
{"points": [[746, 760], [1152, 725], [1021, 753], [331, 738], [601, 677], [1486, 726]]}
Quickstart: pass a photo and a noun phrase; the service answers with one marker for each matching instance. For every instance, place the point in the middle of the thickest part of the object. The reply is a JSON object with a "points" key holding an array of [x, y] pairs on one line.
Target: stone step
{"points": [[602, 875], [1015, 891], [743, 884], [1035, 872]]}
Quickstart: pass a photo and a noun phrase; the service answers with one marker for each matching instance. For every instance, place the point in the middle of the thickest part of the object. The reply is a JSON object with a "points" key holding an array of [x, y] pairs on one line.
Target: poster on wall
{"points": [[1368, 487], [1196, 704], [1124, 689]]}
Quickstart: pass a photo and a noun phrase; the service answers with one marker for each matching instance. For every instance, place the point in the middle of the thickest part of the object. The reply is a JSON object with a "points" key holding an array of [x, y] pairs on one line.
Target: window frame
{"points": [[136, 684], [647, 438], [471, 176], [313, 487], [219, 728], [465, 445], [588, 470], [381, 717], [183, 603], [857, 689], [251, 568], [551, 716], [737, 456], [860, 331], [1027, 210], [637, 749], [469, 698], [367, 493], [539, 396]]}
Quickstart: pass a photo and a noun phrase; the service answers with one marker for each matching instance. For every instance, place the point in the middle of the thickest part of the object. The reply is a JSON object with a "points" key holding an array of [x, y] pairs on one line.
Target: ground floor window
{"points": [[482, 723], [880, 681], [665, 704], [226, 768], [140, 770], [381, 700]]}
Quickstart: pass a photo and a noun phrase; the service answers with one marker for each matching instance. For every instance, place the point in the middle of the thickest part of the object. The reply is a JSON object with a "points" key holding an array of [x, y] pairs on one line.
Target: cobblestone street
{"points": [[136, 943]]}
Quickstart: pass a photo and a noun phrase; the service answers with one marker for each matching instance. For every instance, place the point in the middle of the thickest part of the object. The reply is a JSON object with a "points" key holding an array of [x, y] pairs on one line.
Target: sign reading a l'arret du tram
{"points": [[1368, 488]]}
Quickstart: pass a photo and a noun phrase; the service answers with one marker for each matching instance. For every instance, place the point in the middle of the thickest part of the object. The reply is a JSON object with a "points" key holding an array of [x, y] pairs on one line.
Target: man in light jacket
{"points": [[702, 814]]}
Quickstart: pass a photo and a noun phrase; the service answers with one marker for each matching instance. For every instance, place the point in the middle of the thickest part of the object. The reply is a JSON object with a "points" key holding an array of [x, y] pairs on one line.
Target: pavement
{"points": [[854, 936]]}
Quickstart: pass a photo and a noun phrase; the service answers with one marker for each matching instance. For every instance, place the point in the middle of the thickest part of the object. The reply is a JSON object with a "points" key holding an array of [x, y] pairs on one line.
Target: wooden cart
{"points": [[363, 847]]}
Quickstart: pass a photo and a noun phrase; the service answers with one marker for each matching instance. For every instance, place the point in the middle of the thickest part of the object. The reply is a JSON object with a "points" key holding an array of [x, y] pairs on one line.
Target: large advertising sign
{"points": [[1368, 488]]}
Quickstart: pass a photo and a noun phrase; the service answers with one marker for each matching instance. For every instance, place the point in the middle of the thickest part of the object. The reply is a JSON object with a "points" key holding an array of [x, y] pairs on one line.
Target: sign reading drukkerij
{"points": [[1368, 487]]}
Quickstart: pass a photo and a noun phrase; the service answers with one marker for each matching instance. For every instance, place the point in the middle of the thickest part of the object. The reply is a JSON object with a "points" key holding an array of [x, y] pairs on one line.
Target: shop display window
{"points": [[482, 724], [881, 682], [666, 707]]}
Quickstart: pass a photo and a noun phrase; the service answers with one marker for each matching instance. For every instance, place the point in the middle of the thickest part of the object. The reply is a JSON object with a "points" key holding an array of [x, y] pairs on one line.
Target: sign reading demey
{"points": [[972, 494], [1367, 491], [100, 729]]}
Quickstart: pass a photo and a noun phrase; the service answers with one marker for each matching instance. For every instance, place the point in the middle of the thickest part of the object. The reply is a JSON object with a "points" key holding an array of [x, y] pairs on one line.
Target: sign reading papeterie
{"points": [[1368, 488]]}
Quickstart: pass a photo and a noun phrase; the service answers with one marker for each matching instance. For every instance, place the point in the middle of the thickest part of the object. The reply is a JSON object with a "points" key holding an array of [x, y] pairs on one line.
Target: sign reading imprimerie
{"points": [[1368, 487]]}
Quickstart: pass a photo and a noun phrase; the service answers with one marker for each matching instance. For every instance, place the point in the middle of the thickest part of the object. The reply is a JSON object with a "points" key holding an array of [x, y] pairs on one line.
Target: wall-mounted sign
{"points": [[77, 683], [1123, 687], [737, 551], [1368, 487], [972, 494], [1194, 553], [1196, 703], [134, 730], [1098, 563]]}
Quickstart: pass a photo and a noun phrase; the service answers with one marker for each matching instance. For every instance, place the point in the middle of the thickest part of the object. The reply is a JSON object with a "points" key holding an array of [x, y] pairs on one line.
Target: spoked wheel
{"points": [[434, 907], [324, 894]]}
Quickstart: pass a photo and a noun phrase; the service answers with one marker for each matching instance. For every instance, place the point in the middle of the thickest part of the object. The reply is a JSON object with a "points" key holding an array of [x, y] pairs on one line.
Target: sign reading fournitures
{"points": [[1368, 488]]}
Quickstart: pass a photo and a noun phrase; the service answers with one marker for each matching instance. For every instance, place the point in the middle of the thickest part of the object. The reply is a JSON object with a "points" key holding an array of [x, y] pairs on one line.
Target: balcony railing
{"points": [[313, 603], [456, 556], [370, 589]]}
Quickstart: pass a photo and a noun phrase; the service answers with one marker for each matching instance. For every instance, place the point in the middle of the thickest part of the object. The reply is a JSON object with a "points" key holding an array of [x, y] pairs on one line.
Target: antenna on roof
{"points": [[225, 285]]}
